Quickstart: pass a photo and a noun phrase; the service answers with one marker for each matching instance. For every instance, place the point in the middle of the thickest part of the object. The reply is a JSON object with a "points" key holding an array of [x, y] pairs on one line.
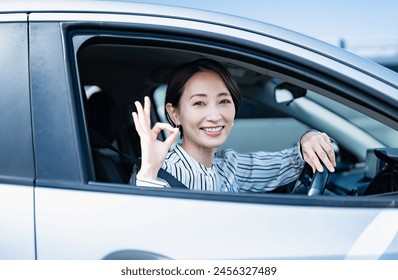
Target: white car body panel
{"points": [[17, 235], [195, 229]]}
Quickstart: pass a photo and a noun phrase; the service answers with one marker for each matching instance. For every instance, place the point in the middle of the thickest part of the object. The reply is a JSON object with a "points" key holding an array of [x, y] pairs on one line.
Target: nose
{"points": [[214, 114]]}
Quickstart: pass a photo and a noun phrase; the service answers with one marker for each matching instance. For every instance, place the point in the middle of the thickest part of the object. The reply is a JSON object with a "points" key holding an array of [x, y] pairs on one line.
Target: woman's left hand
{"points": [[316, 147]]}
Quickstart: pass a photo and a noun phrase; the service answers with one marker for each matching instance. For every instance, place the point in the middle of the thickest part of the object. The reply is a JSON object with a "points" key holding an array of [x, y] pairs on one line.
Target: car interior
{"points": [[277, 109]]}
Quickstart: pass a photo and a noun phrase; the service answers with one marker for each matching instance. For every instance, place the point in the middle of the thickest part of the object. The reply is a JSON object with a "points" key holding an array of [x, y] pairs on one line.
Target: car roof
{"points": [[157, 10]]}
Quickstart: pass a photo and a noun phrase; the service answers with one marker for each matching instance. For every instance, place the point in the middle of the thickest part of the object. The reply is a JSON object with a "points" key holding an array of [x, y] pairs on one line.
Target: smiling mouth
{"points": [[213, 129]]}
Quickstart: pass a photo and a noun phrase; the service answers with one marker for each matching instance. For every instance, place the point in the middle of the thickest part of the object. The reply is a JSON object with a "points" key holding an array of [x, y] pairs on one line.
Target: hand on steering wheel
{"points": [[317, 151], [311, 185]]}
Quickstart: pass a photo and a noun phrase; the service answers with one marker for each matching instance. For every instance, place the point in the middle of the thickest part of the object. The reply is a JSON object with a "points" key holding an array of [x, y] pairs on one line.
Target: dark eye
{"points": [[199, 103], [225, 101]]}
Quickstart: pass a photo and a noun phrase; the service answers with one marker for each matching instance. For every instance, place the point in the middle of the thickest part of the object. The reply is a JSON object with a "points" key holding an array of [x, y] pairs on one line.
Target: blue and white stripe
{"points": [[234, 172]]}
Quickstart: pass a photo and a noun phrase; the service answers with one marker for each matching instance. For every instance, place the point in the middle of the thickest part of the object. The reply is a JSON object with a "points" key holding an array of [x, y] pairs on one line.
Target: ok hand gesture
{"points": [[153, 151]]}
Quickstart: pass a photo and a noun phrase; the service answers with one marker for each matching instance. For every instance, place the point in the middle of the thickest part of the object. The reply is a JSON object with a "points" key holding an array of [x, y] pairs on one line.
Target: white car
{"points": [[71, 68]]}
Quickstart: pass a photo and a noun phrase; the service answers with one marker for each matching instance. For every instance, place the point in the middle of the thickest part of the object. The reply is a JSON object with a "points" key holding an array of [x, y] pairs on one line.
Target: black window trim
{"points": [[79, 35]]}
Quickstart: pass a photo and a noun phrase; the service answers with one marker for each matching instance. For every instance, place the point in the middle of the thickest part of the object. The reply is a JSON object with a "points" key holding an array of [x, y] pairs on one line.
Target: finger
{"points": [[137, 123], [158, 127], [328, 147], [319, 149], [147, 109], [325, 152], [141, 116], [143, 133], [322, 155], [173, 133], [311, 157], [308, 143]]}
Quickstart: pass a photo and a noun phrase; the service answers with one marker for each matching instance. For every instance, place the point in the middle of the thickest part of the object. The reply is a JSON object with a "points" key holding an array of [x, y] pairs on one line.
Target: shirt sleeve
{"points": [[138, 181], [144, 182], [265, 171]]}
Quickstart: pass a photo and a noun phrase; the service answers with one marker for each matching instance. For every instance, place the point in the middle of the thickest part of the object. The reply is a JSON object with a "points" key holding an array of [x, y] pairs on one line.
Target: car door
{"points": [[78, 217], [17, 236]]}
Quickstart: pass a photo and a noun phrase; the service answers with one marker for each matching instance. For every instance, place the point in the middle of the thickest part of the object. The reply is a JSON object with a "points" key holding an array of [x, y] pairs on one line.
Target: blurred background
{"points": [[365, 27]]}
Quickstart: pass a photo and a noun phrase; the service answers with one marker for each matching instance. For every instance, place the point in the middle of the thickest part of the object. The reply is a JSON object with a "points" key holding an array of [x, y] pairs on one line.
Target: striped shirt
{"points": [[235, 172]]}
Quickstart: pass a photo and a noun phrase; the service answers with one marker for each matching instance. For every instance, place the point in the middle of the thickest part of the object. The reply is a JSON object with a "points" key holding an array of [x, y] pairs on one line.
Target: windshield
{"points": [[385, 134]]}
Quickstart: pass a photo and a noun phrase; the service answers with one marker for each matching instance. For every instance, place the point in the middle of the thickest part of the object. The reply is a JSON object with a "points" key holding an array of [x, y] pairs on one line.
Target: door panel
{"points": [[92, 225]]}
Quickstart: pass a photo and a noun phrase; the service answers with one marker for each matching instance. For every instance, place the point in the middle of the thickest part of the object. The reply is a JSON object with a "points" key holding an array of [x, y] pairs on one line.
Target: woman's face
{"points": [[206, 112]]}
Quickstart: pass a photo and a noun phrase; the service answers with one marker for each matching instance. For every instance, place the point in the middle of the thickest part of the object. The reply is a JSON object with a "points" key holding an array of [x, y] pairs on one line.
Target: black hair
{"points": [[184, 72]]}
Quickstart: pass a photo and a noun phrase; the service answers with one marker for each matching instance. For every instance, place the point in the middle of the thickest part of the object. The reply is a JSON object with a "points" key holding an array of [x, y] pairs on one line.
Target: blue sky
{"points": [[359, 22]]}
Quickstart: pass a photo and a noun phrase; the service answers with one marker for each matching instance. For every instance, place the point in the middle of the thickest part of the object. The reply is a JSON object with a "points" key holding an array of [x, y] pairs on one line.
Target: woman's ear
{"points": [[173, 114]]}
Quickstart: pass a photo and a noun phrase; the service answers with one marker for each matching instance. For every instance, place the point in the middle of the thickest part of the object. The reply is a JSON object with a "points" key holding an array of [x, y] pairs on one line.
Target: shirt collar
{"points": [[194, 164]]}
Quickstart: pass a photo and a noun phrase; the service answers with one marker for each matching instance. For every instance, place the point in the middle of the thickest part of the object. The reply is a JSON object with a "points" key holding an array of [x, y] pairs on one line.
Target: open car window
{"points": [[280, 103]]}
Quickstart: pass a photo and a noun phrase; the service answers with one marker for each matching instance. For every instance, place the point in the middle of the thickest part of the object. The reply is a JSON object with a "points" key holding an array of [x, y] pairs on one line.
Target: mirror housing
{"points": [[285, 92]]}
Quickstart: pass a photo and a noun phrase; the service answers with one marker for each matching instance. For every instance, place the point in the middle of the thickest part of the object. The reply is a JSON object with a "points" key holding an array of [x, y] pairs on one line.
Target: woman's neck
{"points": [[204, 156]]}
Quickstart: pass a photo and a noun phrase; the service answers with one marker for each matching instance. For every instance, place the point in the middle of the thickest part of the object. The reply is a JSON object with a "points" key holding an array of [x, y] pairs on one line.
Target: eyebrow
{"points": [[205, 95]]}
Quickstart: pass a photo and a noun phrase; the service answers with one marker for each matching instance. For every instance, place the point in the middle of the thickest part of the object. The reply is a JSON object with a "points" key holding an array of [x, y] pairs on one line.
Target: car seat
{"points": [[102, 118]]}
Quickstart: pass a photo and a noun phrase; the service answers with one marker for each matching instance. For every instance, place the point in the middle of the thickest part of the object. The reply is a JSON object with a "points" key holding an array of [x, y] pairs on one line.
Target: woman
{"points": [[202, 101]]}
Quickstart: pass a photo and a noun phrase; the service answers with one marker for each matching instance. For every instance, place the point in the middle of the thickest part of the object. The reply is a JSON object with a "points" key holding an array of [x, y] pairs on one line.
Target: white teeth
{"points": [[212, 129]]}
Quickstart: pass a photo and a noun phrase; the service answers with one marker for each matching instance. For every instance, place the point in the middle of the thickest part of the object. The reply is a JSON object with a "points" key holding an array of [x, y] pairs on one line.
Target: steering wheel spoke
{"points": [[311, 184]]}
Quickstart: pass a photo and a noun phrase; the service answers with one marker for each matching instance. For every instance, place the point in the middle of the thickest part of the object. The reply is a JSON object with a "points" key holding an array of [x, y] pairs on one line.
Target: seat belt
{"points": [[163, 174]]}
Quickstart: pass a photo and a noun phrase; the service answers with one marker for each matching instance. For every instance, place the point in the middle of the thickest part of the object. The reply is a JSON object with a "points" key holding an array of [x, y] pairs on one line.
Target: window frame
{"points": [[78, 34]]}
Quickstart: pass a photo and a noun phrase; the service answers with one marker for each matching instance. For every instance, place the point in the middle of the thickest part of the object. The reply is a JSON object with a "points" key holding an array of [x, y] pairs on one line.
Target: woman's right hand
{"points": [[153, 151]]}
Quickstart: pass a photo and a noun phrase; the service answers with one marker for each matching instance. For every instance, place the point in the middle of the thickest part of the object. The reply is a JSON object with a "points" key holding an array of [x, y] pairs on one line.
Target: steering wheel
{"points": [[311, 184]]}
